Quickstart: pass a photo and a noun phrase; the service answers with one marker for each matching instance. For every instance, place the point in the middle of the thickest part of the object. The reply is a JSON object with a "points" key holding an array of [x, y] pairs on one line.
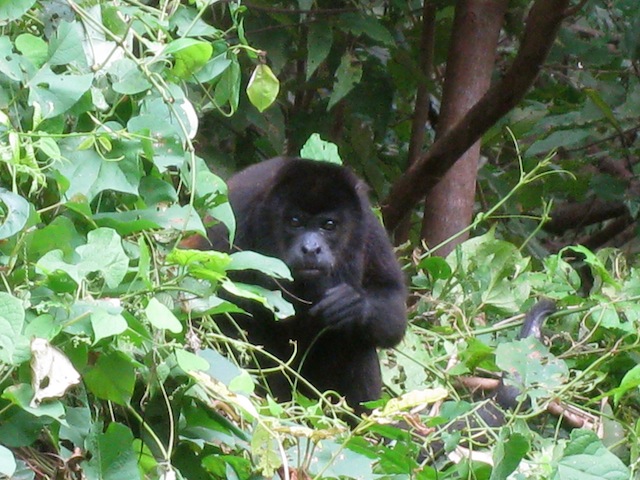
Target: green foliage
{"points": [[101, 104]]}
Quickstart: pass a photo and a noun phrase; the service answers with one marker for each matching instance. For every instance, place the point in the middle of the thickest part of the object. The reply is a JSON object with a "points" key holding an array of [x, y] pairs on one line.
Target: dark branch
{"points": [[542, 27]]}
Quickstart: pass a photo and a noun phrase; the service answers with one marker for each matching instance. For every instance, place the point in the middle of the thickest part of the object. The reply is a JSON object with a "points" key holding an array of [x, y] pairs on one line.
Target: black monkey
{"points": [[348, 290]]}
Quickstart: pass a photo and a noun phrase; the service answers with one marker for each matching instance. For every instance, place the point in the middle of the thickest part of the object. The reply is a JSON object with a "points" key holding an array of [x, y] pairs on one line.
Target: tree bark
{"points": [[542, 27], [470, 62]]}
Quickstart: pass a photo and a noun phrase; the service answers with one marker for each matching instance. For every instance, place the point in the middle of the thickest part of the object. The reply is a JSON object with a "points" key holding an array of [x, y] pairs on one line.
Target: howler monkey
{"points": [[348, 290]]}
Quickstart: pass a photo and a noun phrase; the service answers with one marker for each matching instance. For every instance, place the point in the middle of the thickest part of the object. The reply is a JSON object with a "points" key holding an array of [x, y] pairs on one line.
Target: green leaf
{"points": [[348, 74], [317, 149], [228, 87], [190, 361], [437, 267], [273, 267], [319, 41], [112, 378], [161, 317], [107, 321], [531, 367], [32, 47], [586, 458], [127, 77], [14, 9], [7, 462], [56, 94], [176, 217], [211, 261], [189, 55], [112, 262], [111, 454], [263, 87], [264, 448], [274, 301], [630, 381], [14, 215], [213, 69], [66, 45], [361, 23], [21, 395], [510, 449], [88, 174], [557, 139], [14, 348]]}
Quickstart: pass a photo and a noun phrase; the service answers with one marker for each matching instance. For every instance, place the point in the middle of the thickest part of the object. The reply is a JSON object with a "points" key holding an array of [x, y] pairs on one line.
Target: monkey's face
{"points": [[311, 244]]}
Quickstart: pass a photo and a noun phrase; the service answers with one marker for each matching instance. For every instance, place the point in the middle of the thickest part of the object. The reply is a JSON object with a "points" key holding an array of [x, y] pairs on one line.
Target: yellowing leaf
{"points": [[263, 87]]}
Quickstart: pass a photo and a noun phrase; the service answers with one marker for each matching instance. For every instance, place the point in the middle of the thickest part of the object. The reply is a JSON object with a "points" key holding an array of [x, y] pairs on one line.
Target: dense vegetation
{"points": [[114, 117]]}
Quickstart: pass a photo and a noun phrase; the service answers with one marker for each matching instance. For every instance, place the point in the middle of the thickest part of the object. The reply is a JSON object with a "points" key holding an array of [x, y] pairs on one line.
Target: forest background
{"points": [[119, 120]]}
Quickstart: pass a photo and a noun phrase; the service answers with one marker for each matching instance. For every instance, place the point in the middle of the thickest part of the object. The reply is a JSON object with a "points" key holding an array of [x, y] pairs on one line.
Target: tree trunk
{"points": [[449, 206]]}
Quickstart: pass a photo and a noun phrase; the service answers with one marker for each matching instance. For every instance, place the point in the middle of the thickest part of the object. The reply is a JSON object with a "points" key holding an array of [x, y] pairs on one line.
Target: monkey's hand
{"points": [[340, 306]]}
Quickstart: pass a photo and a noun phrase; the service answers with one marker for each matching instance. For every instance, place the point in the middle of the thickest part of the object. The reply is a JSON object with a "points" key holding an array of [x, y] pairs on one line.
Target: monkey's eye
{"points": [[294, 221], [329, 225]]}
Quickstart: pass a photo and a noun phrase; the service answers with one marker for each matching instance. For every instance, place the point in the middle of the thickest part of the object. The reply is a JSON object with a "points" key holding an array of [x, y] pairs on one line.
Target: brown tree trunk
{"points": [[449, 206], [543, 23]]}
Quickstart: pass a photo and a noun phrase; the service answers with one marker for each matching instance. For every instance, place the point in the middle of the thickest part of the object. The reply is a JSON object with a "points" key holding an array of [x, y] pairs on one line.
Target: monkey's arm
{"points": [[373, 312]]}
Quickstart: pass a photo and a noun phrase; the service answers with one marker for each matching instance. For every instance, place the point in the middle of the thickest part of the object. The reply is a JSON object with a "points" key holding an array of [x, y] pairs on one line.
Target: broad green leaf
{"points": [[107, 321], [333, 460], [317, 149], [509, 451], [14, 347], [437, 267], [319, 41], [127, 77], [586, 458], [264, 448], [111, 378], [13, 214], [13, 9], [161, 317], [274, 301], [228, 87], [21, 395], [32, 47], [215, 262], [604, 107], [363, 24], [630, 381], [531, 367], [557, 139], [88, 174], [263, 87], [113, 20], [177, 217], [66, 45], [211, 191], [347, 76], [111, 454], [103, 253], [112, 262], [56, 94], [213, 68], [190, 361], [251, 260], [7, 462], [189, 55]]}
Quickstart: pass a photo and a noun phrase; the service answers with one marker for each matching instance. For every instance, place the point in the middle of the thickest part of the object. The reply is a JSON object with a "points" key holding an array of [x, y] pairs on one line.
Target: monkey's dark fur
{"points": [[348, 290]]}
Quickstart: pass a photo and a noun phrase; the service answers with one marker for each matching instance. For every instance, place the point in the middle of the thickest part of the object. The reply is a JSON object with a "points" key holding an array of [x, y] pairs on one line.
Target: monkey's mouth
{"points": [[308, 272]]}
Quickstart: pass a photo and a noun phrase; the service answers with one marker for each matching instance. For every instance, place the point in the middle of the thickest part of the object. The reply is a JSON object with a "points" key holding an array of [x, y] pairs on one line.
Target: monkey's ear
{"points": [[195, 242]]}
